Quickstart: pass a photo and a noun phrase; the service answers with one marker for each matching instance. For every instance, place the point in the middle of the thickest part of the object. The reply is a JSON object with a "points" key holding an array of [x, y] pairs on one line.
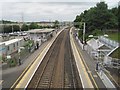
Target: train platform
{"points": [[84, 77], [23, 83], [88, 76], [98, 78], [86, 82], [10, 75]]}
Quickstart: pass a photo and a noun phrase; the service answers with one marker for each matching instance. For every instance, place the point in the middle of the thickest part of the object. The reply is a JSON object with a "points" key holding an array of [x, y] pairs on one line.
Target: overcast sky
{"points": [[46, 10]]}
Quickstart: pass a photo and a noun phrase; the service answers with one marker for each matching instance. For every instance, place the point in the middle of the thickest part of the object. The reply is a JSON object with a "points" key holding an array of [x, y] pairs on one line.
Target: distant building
{"points": [[46, 23], [42, 34]]}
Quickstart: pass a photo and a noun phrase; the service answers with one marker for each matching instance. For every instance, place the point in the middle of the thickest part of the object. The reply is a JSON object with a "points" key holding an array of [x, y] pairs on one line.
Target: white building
{"points": [[2, 51], [97, 49], [42, 34], [13, 45]]}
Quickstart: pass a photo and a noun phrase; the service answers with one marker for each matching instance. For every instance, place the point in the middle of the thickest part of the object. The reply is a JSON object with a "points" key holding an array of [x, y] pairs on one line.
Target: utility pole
{"points": [[21, 23], [83, 35], [19, 50], [3, 27], [12, 29], [22, 18]]}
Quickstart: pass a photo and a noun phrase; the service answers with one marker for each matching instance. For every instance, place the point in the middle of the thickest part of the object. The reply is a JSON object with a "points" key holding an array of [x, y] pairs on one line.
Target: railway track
{"points": [[58, 68], [71, 76]]}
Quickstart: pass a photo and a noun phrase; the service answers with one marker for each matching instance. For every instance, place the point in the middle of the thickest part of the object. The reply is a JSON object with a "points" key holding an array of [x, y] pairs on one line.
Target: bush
{"points": [[12, 62]]}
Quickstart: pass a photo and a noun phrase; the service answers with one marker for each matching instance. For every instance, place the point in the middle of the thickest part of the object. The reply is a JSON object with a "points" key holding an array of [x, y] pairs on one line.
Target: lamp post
{"points": [[83, 38]]}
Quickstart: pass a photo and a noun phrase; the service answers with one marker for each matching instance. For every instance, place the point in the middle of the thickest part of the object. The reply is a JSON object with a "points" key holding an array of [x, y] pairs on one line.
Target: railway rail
{"points": [[72, 79], [58, 68]]}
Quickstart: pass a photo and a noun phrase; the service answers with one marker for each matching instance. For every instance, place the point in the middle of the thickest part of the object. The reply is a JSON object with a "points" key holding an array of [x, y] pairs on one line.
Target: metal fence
{"points": [[110, 43]]}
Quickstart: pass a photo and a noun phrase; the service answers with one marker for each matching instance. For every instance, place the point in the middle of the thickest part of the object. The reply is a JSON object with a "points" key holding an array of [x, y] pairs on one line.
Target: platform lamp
{"points": [[83, 38]]}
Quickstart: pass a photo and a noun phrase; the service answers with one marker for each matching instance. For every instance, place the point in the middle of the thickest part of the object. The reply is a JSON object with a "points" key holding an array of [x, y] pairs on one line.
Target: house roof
{"points": [[1, 43], [11, 41], [94, 44], [40, 30]]}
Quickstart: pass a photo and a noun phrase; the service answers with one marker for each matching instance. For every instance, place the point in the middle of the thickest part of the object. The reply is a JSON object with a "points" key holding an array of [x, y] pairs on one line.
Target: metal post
{"points": [[98, 49], [84, 36], [12, 28], [19, 60], [97, 64], [20, 27]]}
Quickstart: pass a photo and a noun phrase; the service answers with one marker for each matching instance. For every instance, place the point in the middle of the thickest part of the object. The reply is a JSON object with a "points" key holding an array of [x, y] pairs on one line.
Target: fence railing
{"points": [[108, 42]]}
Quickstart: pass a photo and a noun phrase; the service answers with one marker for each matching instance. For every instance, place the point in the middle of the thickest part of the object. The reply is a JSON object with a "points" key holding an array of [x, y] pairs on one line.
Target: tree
{"points": [[16, 28], [56, 24], [24, 27], [33, 25], [7, 29], [119, 17], [98, 17]]}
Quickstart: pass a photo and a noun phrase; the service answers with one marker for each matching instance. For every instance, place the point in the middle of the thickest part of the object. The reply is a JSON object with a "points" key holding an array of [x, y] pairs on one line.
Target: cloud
{"points": [[36, 10], [42, 11], [58, 0]]}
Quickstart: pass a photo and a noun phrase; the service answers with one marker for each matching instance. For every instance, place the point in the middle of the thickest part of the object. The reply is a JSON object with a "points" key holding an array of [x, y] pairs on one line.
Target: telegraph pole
{"points": [[83, 35], [12, 29], [21, 23]]}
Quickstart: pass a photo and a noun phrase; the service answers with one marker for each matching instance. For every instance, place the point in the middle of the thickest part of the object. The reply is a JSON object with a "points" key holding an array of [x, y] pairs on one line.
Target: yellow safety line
{"points": [[31, 64], [31, 68], [1, 81], [83, 67], [26, 69], [89, 73], [88, 70], [88, 80]]}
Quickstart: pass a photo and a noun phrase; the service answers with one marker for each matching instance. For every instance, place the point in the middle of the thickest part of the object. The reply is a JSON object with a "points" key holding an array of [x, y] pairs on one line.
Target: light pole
{"points": [[12, 29], [84, 36]]}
